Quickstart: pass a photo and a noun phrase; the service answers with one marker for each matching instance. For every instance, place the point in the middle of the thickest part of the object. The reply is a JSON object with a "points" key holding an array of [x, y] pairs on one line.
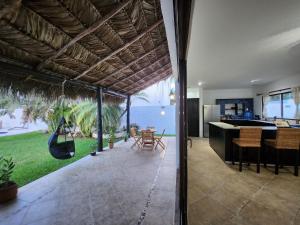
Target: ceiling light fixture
{"points": [[199, 83], [255, 80]]}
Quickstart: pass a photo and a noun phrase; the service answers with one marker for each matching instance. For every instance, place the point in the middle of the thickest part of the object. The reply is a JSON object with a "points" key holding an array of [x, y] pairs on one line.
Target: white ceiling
{"points": [[235, 41]]}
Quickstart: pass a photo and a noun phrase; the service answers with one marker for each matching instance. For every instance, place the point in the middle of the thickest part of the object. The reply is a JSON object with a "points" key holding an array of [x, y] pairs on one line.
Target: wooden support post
{"points": [[128, 115], [182, 79], [99, 120]]}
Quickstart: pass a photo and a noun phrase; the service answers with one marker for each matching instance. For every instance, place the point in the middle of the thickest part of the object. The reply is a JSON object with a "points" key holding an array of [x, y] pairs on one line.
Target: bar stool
{"points": [[250, 138], [286, 139]]}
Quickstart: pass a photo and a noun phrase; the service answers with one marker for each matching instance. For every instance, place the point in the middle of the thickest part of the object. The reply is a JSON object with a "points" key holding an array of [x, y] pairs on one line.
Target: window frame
{"points": [[281, 105]]}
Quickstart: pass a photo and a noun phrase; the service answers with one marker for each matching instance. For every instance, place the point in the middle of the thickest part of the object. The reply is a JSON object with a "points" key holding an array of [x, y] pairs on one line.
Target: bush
{"points": [[6, 169]]}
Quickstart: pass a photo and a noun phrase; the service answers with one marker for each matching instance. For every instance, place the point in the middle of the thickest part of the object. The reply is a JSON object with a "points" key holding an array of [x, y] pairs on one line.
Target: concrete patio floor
{"points": [[221, 195], [120, 186]]}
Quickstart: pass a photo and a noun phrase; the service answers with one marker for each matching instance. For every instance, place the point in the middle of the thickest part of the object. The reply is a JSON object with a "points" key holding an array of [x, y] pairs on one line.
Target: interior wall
{"points": [[210, 96], [193, 93], [288, 82]]}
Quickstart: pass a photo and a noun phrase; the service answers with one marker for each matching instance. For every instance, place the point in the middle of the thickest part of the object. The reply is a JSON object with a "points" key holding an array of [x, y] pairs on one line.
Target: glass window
{"points": [[273, 106], [289, 106]]}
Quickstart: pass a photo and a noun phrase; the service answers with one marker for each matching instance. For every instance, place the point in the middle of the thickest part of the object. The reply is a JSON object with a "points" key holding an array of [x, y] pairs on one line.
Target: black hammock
{"points": [[62, 150]]}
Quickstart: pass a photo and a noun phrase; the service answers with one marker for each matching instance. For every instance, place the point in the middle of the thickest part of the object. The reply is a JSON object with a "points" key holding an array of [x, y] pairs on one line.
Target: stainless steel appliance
{"points": [[211, 113]]}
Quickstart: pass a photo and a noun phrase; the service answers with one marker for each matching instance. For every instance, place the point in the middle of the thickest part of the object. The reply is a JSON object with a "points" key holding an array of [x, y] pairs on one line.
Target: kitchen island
{"points": [[221, 135]]}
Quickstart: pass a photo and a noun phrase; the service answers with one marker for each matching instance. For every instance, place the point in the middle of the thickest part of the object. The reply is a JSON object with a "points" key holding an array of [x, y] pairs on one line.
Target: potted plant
{"points": [[8, 188], [125, 137], [112, 137]]}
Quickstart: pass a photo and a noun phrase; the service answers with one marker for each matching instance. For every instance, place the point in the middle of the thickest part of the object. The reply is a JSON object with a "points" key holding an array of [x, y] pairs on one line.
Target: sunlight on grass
{"points": [[30, 153]]}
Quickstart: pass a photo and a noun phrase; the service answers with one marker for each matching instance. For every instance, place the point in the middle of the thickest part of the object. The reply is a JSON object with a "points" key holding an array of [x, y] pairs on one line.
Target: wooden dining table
{"points": [[148, 131]]}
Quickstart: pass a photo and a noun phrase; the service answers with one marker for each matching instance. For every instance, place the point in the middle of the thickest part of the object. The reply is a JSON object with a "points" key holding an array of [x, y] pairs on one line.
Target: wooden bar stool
{"points": [[250, 138], [286, 139]]}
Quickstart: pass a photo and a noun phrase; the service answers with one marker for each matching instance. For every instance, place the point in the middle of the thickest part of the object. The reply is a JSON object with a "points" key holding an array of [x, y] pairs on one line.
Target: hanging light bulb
{"points": [[162, 112], [172, 97]]}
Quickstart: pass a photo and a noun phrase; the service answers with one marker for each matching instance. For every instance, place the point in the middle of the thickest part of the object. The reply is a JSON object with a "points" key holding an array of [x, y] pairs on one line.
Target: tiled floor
{"points": [[219, 194], [121, 186]]}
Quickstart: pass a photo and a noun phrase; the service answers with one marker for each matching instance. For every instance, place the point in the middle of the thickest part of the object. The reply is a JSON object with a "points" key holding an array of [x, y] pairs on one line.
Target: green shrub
{"points": [[6, 169]]}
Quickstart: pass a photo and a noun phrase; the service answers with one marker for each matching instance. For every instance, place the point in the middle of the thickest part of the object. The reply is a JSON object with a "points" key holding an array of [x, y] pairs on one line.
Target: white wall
{"points": [[210, 96], [192, 93], [288, 82]]}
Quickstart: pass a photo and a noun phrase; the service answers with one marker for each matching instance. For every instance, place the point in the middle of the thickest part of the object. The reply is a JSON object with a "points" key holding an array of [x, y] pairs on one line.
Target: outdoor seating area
{"points": [[77, 68], [122, 186], [146, 139]]}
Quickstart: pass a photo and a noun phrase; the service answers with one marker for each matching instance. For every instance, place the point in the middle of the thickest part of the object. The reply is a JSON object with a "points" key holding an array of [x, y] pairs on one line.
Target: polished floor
{"points": [[117, 187], [219, 194]]}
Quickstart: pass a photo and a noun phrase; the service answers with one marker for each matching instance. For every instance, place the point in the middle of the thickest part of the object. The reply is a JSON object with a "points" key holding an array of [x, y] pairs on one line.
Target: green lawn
{"points": [[30, 153]]}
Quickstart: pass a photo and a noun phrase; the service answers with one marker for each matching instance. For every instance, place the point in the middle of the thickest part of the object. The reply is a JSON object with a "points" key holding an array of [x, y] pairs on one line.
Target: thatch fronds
{"points": [[86, 41]]}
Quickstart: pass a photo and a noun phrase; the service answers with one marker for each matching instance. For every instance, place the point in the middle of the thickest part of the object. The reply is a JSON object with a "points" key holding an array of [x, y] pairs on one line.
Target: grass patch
{"points": [[33, 160]]}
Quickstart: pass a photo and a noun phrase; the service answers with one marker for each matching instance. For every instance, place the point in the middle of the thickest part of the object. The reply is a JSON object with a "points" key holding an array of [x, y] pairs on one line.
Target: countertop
{"points": [[232, 127]]}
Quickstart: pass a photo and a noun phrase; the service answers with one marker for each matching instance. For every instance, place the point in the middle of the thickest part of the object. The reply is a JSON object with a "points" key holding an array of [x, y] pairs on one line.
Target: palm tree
{"points": [[141, 96], [138, 96], [9, 102], [85, 114]]}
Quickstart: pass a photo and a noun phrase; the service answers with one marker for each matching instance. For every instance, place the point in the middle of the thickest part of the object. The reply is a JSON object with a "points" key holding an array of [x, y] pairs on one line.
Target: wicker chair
{"points": [[286, 139], [250, 138]]}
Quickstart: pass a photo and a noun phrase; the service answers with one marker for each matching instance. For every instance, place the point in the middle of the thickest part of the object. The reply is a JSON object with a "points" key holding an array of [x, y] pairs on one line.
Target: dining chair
{"points": [[159, 141], [137, 139], [286, 139], [250, 138], [147, 139]]}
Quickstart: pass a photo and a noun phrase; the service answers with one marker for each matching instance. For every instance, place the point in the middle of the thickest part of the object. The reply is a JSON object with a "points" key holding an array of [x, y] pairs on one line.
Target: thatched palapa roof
{"points": [[118, 45]]}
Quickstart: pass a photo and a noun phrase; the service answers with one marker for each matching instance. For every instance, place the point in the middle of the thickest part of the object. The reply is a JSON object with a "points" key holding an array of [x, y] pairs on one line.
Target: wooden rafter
{"points": [[86, 32], [141, 82], [149, 83], [103, 43], [26, 35], [155, 73], [136, 33], [129, 64], [121, 48], [134, 74]]}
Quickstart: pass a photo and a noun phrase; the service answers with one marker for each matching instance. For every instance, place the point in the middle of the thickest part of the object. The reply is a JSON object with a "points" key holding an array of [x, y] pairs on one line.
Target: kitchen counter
{"points": [[220, 140], [245, 122], [236, 127]]}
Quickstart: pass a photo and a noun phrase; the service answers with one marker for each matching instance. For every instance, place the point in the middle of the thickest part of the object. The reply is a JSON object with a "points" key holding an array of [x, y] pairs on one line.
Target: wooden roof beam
{"points": [[121, 48], [149, 83], [86, 32], [149, 75], [130, 64], [26, 72], [134, 74]]}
